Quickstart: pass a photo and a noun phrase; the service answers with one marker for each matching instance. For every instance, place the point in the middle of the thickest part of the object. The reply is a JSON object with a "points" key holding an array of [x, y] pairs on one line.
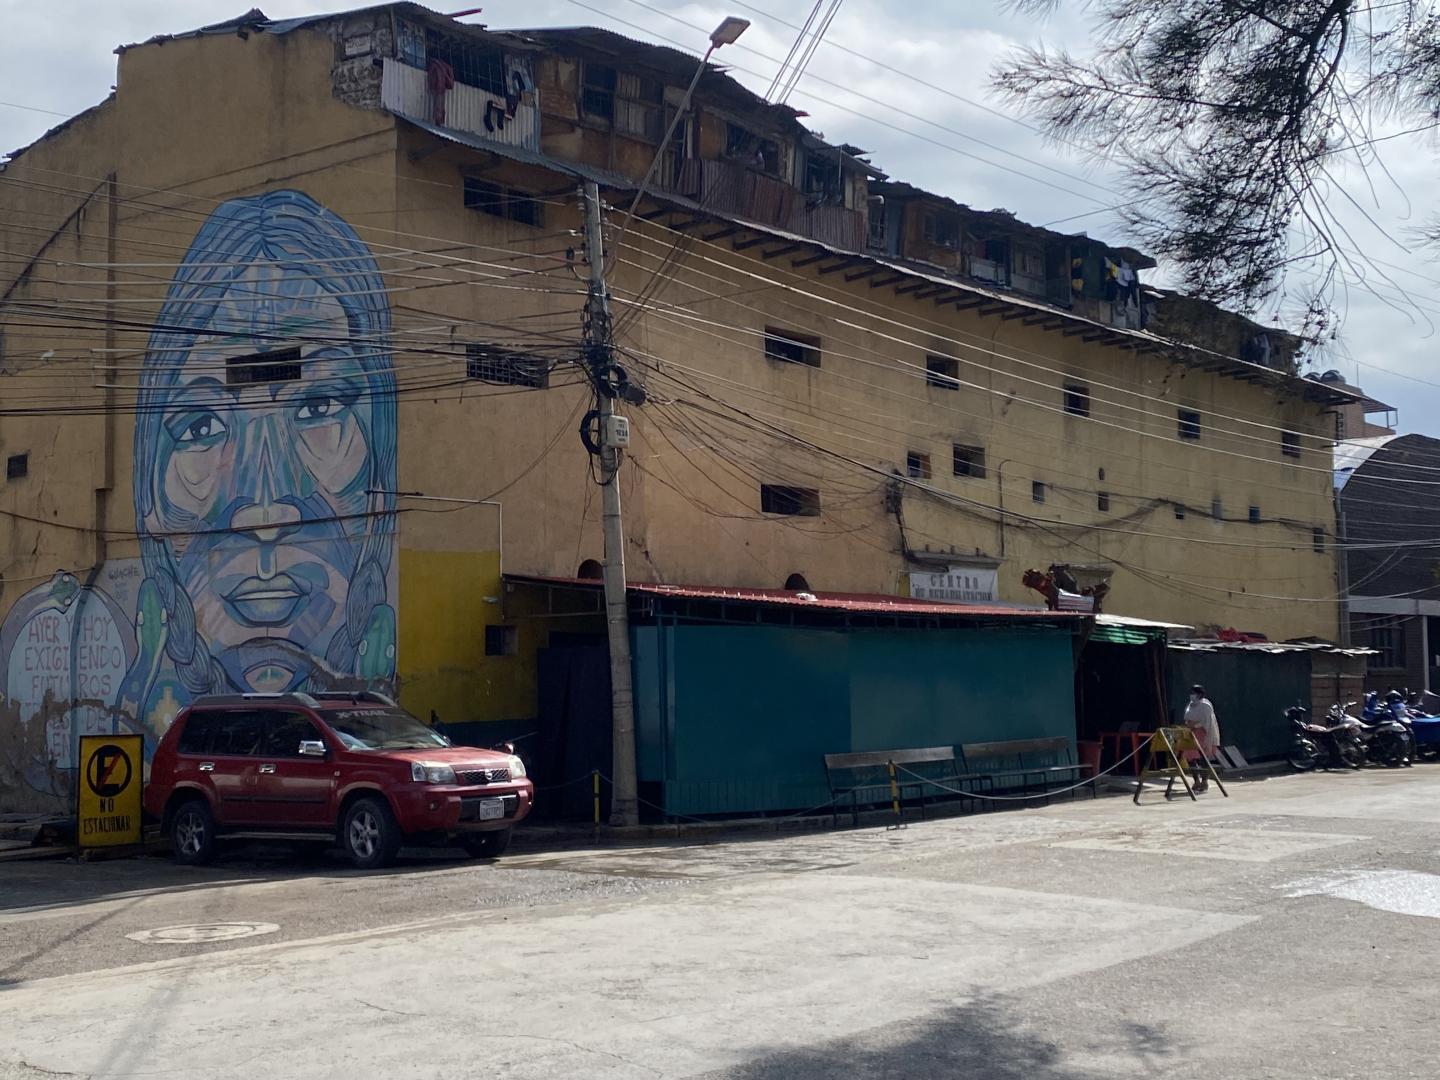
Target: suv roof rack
{"points": [[355, 695], [295, 696]]}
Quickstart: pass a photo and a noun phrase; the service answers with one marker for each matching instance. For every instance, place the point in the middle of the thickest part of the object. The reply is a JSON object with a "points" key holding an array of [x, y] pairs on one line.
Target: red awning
{"points": [[855, 603]]}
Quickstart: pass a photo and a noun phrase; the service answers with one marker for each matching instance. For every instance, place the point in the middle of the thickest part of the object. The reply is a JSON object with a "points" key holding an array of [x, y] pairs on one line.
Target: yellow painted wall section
{"points": [[447, 598]]}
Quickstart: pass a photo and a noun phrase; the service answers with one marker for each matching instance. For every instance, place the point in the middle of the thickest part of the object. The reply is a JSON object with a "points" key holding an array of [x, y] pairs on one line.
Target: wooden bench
{"points": [[864, 776], [1042, 763]]}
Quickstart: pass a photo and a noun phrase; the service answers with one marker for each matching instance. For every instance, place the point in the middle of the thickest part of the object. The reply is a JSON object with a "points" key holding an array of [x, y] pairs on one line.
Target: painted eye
{"points": [[201, 428], [318, 407]]}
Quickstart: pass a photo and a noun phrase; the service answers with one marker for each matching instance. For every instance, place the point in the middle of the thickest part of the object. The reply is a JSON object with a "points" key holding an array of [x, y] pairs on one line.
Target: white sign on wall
{"points": [[956, 585]]}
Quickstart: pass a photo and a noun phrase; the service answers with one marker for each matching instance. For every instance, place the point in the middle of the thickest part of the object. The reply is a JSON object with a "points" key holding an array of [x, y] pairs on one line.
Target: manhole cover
{"points": [[202, 933]]}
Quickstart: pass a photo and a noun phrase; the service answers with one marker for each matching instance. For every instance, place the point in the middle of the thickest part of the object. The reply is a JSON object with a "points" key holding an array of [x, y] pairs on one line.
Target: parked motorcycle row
{"points": [[1394, 732]]}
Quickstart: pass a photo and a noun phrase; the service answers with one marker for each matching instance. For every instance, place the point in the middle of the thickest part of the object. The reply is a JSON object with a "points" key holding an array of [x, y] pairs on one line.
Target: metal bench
{"points": [[1042, 763], [864, 776]]}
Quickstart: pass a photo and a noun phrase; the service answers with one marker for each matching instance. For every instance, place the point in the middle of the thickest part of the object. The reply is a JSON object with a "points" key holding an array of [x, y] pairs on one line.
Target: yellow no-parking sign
{"points": [[109, 784]]}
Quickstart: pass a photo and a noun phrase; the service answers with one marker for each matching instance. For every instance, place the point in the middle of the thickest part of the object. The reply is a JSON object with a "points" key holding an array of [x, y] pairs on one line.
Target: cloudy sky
{"points": [[908, 82]]}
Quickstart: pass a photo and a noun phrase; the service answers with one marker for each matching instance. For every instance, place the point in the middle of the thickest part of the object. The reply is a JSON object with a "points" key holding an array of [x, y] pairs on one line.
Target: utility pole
{"points": [[624, 809]]}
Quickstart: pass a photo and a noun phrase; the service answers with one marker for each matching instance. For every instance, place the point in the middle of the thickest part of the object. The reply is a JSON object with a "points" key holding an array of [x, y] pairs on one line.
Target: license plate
{"points": [[490, 809]]}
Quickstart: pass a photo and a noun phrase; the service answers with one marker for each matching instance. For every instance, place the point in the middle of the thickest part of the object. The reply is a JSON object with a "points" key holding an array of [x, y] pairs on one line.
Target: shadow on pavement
{"points": [[980, 1041]]}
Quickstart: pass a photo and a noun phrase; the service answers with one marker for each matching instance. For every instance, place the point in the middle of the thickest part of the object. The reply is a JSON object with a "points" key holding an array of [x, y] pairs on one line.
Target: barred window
{"points": [[505, 367]]}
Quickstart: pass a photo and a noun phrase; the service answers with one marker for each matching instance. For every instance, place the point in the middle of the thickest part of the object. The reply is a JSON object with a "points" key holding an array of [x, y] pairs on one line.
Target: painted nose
{"points": [[269, 517], [267, 521]]}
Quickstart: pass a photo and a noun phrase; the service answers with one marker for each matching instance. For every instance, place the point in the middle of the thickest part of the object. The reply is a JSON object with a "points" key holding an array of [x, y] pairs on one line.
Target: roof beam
{"points": [[862, 273], [843, 264], [741, 245], [880, 284], [993, 309], [928, 291], [819, 255], [720, 234], [914, 286], [775, 253]]}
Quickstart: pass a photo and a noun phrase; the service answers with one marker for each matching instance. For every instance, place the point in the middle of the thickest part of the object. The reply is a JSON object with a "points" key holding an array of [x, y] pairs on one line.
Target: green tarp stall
{"points": [[1251, 686], [739, 695]]}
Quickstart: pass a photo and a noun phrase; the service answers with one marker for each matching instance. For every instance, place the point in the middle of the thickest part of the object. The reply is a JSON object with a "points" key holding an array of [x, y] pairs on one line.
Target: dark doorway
{"points": [[573, 678]]}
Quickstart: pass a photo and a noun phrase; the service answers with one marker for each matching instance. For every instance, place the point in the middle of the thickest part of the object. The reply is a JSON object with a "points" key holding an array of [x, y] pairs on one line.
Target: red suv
{"points": [[351, 768]]}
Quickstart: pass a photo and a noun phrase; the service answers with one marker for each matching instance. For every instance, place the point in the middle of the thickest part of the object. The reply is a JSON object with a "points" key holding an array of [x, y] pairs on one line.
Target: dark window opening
{"points": [[1179, 511], [502, 640], [941, 229], [789, 501], [792, 347], [591, 570], [1077, 399], [752, 149], [280, 365], [1102, 474], [632, 103], [1388, 639], [1217, 509], [502, 202], [597, 92], [505, 367], [970, 461], [1102, 500], [1037, 491], [823, 178], [1187, 423], [1290, 444], [473, 64], [876, 221], [917, 465], [1317, 540], [797, 583], [17, 466], [1254, 515], [943, 372]]}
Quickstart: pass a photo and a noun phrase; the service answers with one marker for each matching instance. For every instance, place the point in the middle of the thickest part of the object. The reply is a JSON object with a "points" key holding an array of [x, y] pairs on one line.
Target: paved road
{"points": [[1291, 931]]}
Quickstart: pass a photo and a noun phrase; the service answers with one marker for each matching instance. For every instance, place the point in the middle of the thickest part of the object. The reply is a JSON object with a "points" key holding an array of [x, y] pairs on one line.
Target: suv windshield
{"points": [[382, 729]]}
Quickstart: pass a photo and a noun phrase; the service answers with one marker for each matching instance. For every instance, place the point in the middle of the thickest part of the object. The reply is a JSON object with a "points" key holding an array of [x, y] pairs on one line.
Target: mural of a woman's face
{"points": [[279, 470], [265, 456]]}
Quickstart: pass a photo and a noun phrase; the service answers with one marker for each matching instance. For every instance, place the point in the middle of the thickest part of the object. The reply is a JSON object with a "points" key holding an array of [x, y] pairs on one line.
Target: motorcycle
{"points": [[1387, 741], [1319, 746], [1424, 725]]}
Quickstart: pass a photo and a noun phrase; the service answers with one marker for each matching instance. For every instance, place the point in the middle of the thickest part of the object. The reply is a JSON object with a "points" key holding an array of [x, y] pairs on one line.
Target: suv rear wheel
{"points": [[192, 832], [486, 845], [369, 834]]}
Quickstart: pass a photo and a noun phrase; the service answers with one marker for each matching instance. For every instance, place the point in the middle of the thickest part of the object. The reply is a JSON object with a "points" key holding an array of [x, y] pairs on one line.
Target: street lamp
{"points": [[727, 33]]}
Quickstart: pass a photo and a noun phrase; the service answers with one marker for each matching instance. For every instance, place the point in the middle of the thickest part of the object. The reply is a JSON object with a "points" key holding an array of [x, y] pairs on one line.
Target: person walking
{"points": [[1200, 718]]}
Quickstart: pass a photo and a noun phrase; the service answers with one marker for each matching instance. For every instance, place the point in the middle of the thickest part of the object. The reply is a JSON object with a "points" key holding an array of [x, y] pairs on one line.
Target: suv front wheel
{"points": [[369, 833], [192, 831], [486, 845]]}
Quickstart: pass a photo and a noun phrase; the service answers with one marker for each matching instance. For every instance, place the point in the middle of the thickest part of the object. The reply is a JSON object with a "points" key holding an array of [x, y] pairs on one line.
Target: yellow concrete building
{"points": [[290, 371]]}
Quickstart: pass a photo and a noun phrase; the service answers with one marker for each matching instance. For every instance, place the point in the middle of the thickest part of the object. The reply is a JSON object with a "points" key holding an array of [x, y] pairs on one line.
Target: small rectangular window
{"points": [[789, 501], [1389, 641], [970, 461], [597, 95], [502, 640], [941, 228], [792, 347], [1037, 491], [1254, 515], [505, 367], [278, 365], [1077, 399], [1179, 511], [943, 372], [1217, 508], [1290, 443], [1187, 423], [1317, 540], [17, 466], [1102, 501], [500, 201], [917, 465]]}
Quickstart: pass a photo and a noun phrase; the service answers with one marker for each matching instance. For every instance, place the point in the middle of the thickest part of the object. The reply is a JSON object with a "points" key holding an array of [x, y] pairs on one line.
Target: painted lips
{"points": [[266, 601]]}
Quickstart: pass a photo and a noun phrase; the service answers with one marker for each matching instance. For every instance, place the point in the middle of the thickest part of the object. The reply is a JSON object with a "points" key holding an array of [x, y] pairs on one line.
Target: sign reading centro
{"points": [[109, 803]]}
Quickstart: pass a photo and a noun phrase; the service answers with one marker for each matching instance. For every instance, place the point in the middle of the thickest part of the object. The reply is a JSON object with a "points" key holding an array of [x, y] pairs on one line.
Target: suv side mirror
{"points": [[312, 748]]}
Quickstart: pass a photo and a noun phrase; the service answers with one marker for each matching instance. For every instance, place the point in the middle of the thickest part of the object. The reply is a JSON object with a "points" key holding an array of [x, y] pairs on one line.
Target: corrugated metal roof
{"points": [[1142, 624], [855, 603], [1273, 647]]}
